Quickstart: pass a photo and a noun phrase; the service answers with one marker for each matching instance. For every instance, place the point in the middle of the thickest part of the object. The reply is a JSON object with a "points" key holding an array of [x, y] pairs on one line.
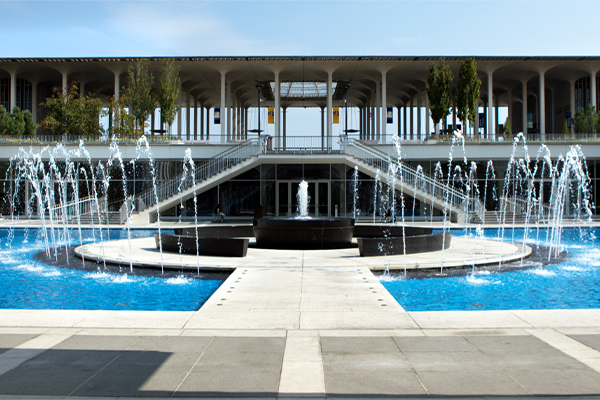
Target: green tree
{"points": [[5, 121], [70, 114], [122, 123], [507, 127], [141, 99], [17, 125], [565, 128], [467, 91], [168, 91], [440, 97], [29, 123], [586, 121]]}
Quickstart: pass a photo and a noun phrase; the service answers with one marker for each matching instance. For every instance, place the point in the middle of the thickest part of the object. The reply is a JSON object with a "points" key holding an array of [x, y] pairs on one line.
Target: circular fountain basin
{"points": [[303, 233]]}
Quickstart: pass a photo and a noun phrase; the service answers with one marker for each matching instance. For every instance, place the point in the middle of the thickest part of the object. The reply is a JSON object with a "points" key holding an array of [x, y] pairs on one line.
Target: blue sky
{"points": [[303, 28], [212, 28]]}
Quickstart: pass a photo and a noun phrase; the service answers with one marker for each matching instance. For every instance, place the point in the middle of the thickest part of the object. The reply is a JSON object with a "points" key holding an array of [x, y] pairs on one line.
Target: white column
{"points": [[13, 91], [277, 109], [427, 126], [593, 88], [372, 116], [322, 128], [207, 122], [490, 105], [510, 117], [542, 98], [196, 118], [245, 122], [229, 113], [496, 126], [118, 85], [361, 122], [188, 117], [383, 106], [524, 90], [284, 126], [419, 116], [405, 121], [34, 101], [179, 120], [223, 107], [377, 114], [65, 82], [399, 124], [233, 108], [412, 117]]}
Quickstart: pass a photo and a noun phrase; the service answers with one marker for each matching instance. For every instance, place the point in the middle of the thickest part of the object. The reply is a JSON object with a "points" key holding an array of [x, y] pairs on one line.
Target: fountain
{"points": [[303, 232]]}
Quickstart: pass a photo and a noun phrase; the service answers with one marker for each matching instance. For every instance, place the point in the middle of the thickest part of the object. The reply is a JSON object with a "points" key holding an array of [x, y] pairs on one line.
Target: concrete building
{"points": [[538, 93]]}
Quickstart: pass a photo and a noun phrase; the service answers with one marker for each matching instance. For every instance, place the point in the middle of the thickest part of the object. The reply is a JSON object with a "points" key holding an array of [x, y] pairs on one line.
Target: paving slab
{"points": [[592, 341]]}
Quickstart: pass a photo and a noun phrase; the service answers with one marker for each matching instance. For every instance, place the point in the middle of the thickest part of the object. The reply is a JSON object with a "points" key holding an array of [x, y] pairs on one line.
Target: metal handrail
{"points": [[226, 159], [78, 207], [419, 181]]}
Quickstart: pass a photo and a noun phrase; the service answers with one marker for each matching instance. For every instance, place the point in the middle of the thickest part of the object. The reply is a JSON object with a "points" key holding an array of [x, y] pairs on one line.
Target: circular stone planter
{"points": [[303, 233]]}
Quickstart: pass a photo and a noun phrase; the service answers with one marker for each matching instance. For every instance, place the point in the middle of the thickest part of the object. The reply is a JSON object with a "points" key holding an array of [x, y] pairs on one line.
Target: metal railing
{"points": [[298, 143], [79, 207], [227, 159], [410, 176]]}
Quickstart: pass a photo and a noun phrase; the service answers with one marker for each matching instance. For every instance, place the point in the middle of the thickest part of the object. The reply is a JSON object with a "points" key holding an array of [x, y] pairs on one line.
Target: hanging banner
{"points": [[390, 115], [568, 119], [336, 115], [481, 120], [530, 120], [271, 115], [217, 115]]}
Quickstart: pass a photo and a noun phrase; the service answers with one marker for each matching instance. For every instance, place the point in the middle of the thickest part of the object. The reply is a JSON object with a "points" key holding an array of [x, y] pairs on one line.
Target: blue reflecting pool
{"points": [[574, 283], [29, 284]]}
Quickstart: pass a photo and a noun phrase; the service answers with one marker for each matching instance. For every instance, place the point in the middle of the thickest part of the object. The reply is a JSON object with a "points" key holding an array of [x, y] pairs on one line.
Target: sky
{"points": [[302, 28], [46, 28]]}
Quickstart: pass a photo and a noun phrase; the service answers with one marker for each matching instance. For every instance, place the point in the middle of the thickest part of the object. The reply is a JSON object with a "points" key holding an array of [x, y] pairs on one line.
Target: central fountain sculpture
{"points": [[303, 232]]}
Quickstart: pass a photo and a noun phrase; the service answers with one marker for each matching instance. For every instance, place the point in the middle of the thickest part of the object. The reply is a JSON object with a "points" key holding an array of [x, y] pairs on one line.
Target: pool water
{"points": [[574, 283], [29, 284]]}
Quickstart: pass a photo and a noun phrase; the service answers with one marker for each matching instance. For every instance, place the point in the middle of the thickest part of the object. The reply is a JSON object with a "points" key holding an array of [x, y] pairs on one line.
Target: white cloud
{"points": [[182, 29]]}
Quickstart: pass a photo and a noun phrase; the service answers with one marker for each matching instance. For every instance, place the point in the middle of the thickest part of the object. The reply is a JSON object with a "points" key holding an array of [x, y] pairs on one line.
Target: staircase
{"points": [[168, 194], [421, 186]]}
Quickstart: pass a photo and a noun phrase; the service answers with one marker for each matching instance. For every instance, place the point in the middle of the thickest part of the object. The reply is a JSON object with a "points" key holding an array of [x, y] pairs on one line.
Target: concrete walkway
{"points": [[299, 331]]}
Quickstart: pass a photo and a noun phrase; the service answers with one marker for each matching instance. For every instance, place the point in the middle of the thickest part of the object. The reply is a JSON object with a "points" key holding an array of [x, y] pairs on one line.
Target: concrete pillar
{"points": [[427, 126], [524, 91], [207, 122], [398, 122], [179, 121], [229, 113], [405, 122], [510, 109], [490, 104], [233, 108], [202, 121], [593, 89], [412, 117], [188, 117], [34, 101], [322, 128], [383, 106], [277, 108], [81, 89], [246, 123], [377, 114], [361, 117], [497, 126], [542, 105], [284, 127], [13, 91], [223, 107], [419, 116], [65, 82], [196, 118], [329, 108], [372, 116], [118, 84]]}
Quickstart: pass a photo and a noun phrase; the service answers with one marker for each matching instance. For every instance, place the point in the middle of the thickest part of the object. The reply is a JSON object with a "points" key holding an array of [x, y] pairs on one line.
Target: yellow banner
{"points": [[271, 115], [336, 115]]}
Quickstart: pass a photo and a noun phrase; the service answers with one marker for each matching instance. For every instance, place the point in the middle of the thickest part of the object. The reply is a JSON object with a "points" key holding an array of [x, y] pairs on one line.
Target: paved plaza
{"points": [[294, 326]]}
